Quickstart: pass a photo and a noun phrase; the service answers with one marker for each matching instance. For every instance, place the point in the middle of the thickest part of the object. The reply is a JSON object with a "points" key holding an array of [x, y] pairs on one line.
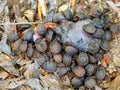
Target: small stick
{"points": [[20, 23]]}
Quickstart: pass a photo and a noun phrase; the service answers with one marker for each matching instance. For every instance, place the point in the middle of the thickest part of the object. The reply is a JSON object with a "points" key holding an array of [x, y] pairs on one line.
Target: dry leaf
{"points": [[104, 64], [2, 5], [116, 60], [22, 62], [114, 7], [12, 70], [98, 88], [5, 83], [66, 80], [5, 48], [105, 61], [18, 17], [30, 67], [115, 84], [6, 63], [51, 25], [50, 83], [3, 75], [28, 88], [15, 84], [73, 3], [63, 7], [34, 84], [4, 57], [29, 14], [116, 1], [43, 72]]}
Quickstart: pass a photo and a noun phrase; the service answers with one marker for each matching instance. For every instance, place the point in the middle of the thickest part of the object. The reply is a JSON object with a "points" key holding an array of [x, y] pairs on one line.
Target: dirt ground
{"points": [[19, 70]]}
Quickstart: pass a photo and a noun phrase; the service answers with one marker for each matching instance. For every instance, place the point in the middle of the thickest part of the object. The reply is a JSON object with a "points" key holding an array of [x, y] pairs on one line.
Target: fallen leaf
{"points": [[5, 83], [63, 7], [51, 25], [98, 88], [4, 57], [34, 84], [22, 62], [115, 84], [116, 1], [2, 6], [4, 47], [3, 75], [104, 64], [28, 88], [15, 84], [73, 3], [11, 69], [116, 60], [105, 61], [113, 6], [43, 72], [50, 83], [29, 14]]}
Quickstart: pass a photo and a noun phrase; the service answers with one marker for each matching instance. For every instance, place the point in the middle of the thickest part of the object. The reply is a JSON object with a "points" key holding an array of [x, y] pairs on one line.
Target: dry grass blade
{"points": [[73, 2], [43, 6], [39, 12]]}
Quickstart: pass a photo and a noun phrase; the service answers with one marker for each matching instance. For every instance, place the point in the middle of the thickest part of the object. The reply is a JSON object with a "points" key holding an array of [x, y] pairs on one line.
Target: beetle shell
{"points": [[23, 46], [41, 59], [67, 59], [62, 71], [100, 74], [49, 36], [58, 17], [68, 14], [92, 59], [58, 58], [107, 35], [79, 71], [89, 28], [71, 50], [76, 82], [12, 36], [55, 47], [82, 59], [50, 66], [105, 45], [90, 82], [41, 45], [98, 33], [29, 50], [17, 44], [94, 47], [41, 29], [90, 69]]}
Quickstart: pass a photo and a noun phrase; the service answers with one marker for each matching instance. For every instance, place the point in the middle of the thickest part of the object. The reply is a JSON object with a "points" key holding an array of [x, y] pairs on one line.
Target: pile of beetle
{"points": [[72, 48]]}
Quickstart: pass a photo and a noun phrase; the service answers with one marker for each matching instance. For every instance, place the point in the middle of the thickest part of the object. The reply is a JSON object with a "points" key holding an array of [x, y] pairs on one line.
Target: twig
{"points": [[20, 23]]}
